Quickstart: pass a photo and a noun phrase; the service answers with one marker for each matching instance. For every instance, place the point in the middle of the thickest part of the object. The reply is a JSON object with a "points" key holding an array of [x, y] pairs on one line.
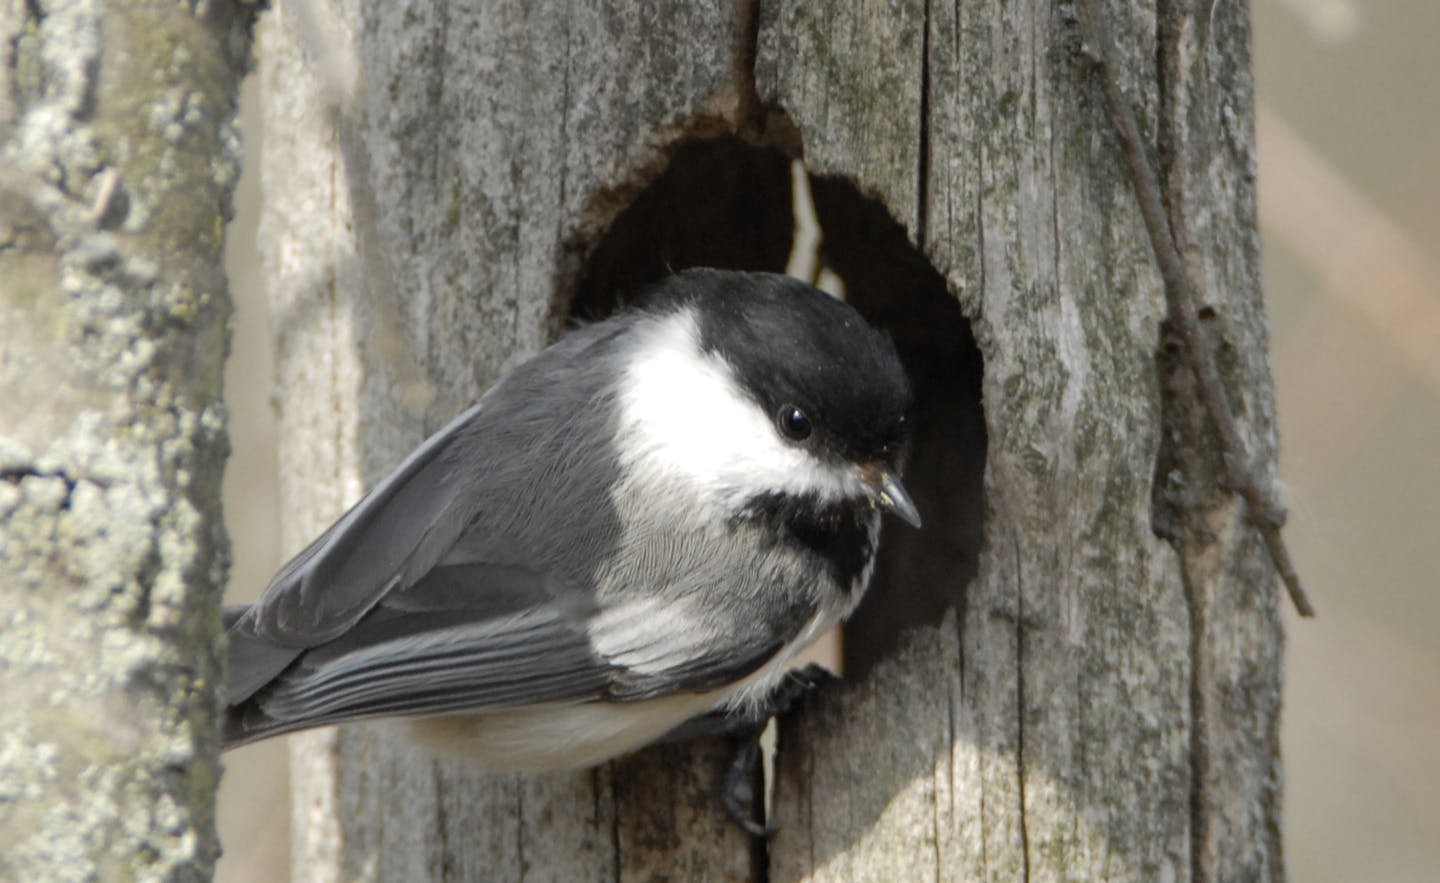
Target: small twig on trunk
{"points": [[1241, 472]]}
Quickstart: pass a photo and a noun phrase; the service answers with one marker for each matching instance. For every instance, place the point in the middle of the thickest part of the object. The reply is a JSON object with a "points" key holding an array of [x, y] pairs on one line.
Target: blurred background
{"points": [[1349, 132], [1349, 140]]}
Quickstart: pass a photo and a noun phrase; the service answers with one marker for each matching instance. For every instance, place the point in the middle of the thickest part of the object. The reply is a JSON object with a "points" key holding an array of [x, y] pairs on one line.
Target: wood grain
{"points": [[1099, 702]]}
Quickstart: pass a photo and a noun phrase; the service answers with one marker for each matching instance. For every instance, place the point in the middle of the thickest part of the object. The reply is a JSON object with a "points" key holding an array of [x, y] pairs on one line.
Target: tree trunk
{"points": [[1108, 709], [1042, 684], [118, 156]]}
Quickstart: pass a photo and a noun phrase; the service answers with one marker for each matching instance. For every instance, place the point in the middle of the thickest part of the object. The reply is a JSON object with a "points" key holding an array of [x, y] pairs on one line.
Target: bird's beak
{"points": [[888, 493]]}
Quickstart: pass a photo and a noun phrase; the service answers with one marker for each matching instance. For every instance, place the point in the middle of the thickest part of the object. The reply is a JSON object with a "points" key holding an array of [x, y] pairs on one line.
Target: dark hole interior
{"points": [[724, 203], [921, 573], [720, 203]]}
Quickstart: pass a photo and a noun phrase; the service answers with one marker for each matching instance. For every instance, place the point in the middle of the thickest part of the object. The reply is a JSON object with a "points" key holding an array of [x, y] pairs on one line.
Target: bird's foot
{"points": [[737, 793]]}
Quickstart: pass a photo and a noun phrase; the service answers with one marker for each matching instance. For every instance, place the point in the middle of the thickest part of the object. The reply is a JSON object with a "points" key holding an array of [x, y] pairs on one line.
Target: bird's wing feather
{"points": [[473, 637], [409, 522], [391, 538]]}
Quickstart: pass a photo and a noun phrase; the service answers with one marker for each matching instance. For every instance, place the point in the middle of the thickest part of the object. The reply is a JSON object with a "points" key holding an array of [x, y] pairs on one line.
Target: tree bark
{"points": [[1109, 708], [432, 173], [445, 180], [118, 156]]}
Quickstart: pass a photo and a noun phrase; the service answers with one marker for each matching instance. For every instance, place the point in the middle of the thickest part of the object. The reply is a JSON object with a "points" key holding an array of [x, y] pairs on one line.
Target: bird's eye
{"points": [[793, 423]]}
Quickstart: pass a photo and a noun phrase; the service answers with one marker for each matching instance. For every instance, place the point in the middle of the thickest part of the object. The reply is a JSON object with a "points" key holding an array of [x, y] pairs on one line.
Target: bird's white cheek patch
{"points": [[684, 417]]}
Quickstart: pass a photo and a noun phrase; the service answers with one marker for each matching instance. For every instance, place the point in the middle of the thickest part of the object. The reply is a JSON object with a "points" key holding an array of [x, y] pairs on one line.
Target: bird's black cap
{"points": [[789, 343]]}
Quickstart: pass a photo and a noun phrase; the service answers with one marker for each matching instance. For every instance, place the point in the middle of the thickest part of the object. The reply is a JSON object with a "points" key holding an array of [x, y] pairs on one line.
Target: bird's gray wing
{"points": [[388, 540], [483, 637], [465, 636]]}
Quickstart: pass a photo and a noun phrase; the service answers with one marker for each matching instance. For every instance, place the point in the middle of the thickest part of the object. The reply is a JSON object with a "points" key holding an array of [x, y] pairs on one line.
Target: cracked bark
{"points": [[498, 141], [118, 157], [510, 140], [1095, 737]]}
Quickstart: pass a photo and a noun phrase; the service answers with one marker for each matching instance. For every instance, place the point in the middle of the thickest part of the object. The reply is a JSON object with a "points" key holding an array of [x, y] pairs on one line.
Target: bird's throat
{"points": [[842, 536]]}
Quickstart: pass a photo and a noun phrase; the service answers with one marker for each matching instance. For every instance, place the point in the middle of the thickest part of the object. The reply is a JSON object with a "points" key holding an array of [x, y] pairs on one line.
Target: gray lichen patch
{"points": [[119, 157]]}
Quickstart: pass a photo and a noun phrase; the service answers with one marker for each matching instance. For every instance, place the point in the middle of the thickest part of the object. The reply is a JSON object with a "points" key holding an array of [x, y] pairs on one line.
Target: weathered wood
{"points": [[1066, 745], [1206, 136], [433, 174], [118, 157], [1097, 706]]}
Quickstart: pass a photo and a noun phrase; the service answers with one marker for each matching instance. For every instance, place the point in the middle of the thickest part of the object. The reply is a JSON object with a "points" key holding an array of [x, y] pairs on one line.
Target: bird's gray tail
{"points": [[244, 722]]}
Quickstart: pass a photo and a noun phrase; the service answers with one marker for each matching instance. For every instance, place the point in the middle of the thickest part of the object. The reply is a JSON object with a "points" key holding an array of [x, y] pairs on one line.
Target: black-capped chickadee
{"points": [[630, 534]]}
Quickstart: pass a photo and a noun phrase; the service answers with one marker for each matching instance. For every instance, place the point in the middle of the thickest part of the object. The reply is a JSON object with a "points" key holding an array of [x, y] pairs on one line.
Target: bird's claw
{"points": [[738, 794]]}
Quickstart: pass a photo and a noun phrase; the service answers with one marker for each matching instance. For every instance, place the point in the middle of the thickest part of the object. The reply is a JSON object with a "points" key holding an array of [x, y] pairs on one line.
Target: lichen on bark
{"points": [[119, 152]]}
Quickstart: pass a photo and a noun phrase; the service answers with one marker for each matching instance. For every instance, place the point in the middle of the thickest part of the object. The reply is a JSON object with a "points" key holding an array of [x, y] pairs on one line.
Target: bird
{"points": [[627, 539]]}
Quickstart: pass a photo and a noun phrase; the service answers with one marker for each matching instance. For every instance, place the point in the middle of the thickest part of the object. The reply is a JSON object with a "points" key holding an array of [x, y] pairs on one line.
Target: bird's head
{"points": [[745, 387]]}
